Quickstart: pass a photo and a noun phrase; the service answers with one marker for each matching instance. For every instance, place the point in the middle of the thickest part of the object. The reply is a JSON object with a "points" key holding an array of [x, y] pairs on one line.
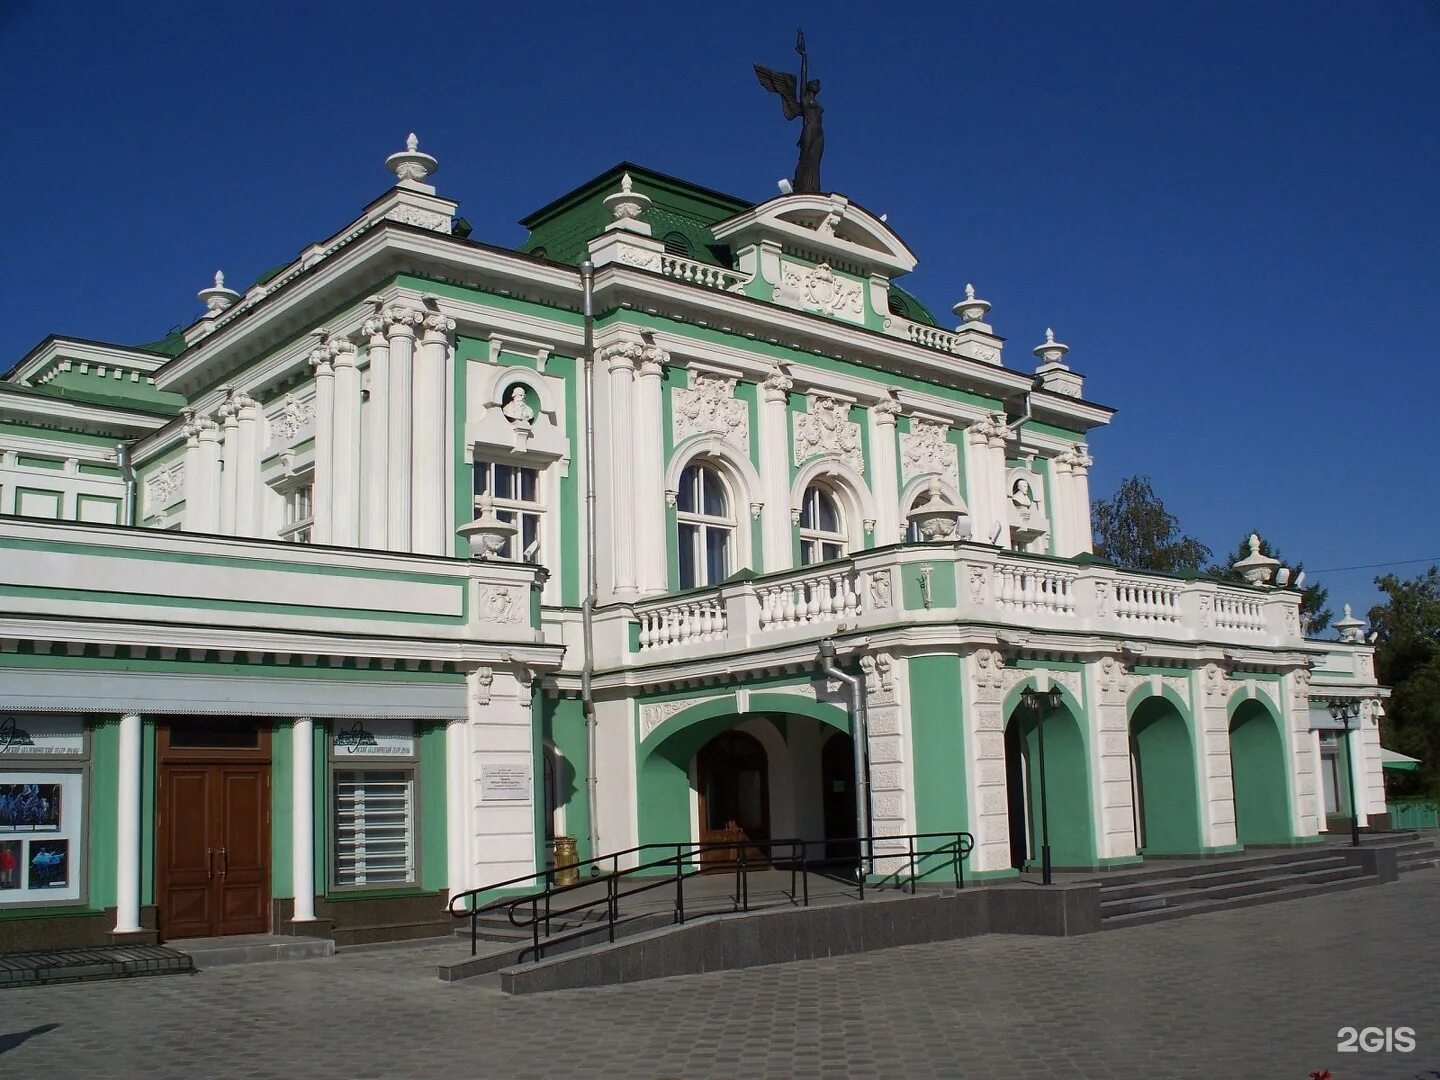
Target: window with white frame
{"points": [[822, 526], [706, 526], [514, 492], [299, 527], [374, 817]]}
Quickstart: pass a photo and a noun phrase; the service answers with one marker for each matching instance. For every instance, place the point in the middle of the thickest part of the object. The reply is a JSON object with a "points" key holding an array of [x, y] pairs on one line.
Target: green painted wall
{"points": [[103, 799], [282, 797], [942, 585], [433, 826], [1165, 774], [1257, 762], [937, 735], [564, 722]]}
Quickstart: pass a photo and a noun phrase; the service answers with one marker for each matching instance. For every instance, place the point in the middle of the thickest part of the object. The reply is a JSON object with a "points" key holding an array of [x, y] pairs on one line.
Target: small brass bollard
{"points": [[566, 857]]}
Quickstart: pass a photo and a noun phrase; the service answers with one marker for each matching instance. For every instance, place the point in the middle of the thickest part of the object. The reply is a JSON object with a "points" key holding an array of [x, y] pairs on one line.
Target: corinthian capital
{"points": [[653, 360], [437, 322], [886, 409], [778, 384], [402, 318], [625, 352], [342, 353]]}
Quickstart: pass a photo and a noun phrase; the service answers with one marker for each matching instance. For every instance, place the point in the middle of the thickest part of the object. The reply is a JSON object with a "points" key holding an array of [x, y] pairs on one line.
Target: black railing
{"points": [[686, 861]]}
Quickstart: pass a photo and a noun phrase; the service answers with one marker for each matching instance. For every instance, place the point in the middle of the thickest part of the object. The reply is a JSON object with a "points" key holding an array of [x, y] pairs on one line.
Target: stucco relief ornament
{"points": [[979, 583], [880, 596], [652, 716], [710, 406], [294, 417], [777, 384], [826, 429], [484, 681], [989, 670], [501, 605], [928, 450], [1214, 680], [820, 287], [165, 486]]}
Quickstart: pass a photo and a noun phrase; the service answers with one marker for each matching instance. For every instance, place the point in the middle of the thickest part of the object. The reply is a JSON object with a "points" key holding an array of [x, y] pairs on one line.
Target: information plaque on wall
{"points": [[505, 783]]}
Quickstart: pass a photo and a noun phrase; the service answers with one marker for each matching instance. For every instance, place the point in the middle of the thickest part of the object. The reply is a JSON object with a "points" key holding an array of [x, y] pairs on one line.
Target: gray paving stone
{"points": [[1249, 994]]}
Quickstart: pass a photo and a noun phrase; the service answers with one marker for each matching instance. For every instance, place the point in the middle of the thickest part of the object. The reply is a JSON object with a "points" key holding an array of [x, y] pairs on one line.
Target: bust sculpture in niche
{"points": [[516, 409], [1021, 495]]}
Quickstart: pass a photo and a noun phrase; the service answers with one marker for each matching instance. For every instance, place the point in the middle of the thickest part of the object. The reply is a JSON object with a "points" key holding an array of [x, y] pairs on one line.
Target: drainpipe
{"points": [[1013, 427], [860, 728], [587, 608], [127, 473]]}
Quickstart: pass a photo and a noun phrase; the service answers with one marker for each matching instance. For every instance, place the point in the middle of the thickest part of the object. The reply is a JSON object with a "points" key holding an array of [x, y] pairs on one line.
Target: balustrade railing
{"points": [[681, 623], [1145, 601], [821, 597], [1235, 611], [932, 337], [1021, 587], [698, 273]]}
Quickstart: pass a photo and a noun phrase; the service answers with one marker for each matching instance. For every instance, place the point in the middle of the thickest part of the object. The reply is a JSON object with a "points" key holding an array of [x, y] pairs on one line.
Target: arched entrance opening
{"points": [[1067, 789], [837, 796], [1258, 773], [1164, 796], [732, 783]]}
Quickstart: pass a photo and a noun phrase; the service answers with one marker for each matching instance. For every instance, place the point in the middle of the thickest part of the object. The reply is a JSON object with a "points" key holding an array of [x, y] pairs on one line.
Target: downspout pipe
{"points": [[860, 732], [127, 473], [1026, 415], [587, 608]]}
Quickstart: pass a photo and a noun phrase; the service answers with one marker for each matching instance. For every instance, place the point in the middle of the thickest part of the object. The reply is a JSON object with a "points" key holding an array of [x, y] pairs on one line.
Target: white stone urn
{"points": [[487, 533], [937, 518], [1255, 568]]}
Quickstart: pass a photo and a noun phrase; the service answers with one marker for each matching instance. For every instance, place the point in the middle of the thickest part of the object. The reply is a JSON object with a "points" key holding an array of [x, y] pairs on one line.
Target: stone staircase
{"points": [[1170, 892], [1415, 851]]}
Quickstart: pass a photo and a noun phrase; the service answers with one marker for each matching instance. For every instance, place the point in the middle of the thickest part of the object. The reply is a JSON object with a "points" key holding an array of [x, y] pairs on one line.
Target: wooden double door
{"points": [[732, 775], [213, 828]]}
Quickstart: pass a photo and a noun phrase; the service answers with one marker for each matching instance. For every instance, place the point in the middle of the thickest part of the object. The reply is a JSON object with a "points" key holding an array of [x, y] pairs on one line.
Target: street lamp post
{"points": [[1346, 712], [1039, 704]]}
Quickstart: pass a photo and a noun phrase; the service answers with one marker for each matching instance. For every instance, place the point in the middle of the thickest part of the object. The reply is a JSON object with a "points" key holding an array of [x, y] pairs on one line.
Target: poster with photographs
{"points": [[48, 864], [42, 830], [29, 808], [12, 864]]}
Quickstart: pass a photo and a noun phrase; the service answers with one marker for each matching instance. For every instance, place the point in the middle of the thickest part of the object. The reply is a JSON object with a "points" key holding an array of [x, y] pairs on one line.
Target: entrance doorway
{"points": [[837, 779], [732, 778], [212, 835]]}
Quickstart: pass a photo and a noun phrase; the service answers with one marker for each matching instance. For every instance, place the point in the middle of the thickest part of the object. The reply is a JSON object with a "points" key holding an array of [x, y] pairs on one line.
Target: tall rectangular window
{"points": [[514, 492], [299, 515], [374, 821]]}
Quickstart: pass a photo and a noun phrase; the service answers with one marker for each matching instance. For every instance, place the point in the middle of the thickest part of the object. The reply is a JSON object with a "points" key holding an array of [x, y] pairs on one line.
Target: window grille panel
{"points": [[374, 827]]}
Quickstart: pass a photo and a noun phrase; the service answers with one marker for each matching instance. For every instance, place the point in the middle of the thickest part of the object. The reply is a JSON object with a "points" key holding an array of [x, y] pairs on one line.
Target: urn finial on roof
{"points": [[1051, 351], [217, 297], [972, 309], [410, 166], [626, 206], [1350, 628]]}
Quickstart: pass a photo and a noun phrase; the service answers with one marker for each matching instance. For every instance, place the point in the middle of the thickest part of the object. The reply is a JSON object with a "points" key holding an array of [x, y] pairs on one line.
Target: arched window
{"points": [[822, 527], [897, 306], [677, 244], [706, 526]]}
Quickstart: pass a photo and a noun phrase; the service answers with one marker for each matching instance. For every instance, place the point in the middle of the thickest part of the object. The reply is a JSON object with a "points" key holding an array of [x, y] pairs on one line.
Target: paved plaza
{"points": [[1257, 993]]}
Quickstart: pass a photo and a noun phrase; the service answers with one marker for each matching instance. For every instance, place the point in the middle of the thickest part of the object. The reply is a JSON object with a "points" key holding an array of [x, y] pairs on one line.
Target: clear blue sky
{"points": [[1230, 211]]}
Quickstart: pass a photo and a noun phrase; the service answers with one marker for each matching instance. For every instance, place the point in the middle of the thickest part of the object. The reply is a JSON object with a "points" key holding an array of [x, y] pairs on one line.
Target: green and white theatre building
{"points": [[294, 636]]}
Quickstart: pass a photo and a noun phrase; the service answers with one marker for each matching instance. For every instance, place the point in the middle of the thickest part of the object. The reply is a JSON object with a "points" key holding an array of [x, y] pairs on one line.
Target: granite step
{"points": [[252, 949], [1291, 892], [1224, 874], [86, 965]]}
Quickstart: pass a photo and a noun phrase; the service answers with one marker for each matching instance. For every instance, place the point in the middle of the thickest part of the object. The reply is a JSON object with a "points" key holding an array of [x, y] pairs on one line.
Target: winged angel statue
{"points": [[806, 106]]}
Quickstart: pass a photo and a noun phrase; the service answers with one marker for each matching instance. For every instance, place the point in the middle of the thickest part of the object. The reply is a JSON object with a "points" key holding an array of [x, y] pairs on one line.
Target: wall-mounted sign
{"points": [[42, 819], [27, 735], [506, 783], [379, 738]]}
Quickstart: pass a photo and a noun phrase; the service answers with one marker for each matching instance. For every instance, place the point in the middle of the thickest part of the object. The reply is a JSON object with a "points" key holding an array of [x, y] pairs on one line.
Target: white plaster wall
{"points": [[617, 819]]}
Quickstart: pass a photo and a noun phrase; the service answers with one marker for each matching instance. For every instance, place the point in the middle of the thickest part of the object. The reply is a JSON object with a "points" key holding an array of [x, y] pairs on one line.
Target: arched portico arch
{"points": [[1164, 791], [1067, 779], [664, 757], [1260, 779], [847, 485]]}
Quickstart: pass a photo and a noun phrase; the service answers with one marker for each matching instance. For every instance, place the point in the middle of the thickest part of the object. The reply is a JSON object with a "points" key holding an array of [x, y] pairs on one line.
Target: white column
{"points": [[984, 741], [1321, 824], [995, 477], [324, 478], [621, 358], [649, 470], [207, 491], [127, 828], [885, 476], [194, 473], [1062, 508], [1112, 790], [229, 467], [1210, 691], [775, 525], [401, 331], [247, 468], [427, 463], [375, 479], [978, 488], [1081, 531], [302, 820], [345, 448]]}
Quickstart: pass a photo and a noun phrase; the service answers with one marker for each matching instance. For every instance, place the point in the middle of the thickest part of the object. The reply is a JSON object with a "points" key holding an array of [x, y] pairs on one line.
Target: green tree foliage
{"points": [[1407, 659], [1134, 530], [1313, 597]]}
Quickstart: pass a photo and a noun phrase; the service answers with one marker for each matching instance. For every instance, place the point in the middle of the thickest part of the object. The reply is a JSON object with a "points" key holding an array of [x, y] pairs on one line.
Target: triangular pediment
{"points": [[824, 228]]}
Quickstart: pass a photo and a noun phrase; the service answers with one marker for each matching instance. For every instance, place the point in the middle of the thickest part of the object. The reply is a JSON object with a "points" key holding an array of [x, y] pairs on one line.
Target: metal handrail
{"points": [[687, 861]]}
